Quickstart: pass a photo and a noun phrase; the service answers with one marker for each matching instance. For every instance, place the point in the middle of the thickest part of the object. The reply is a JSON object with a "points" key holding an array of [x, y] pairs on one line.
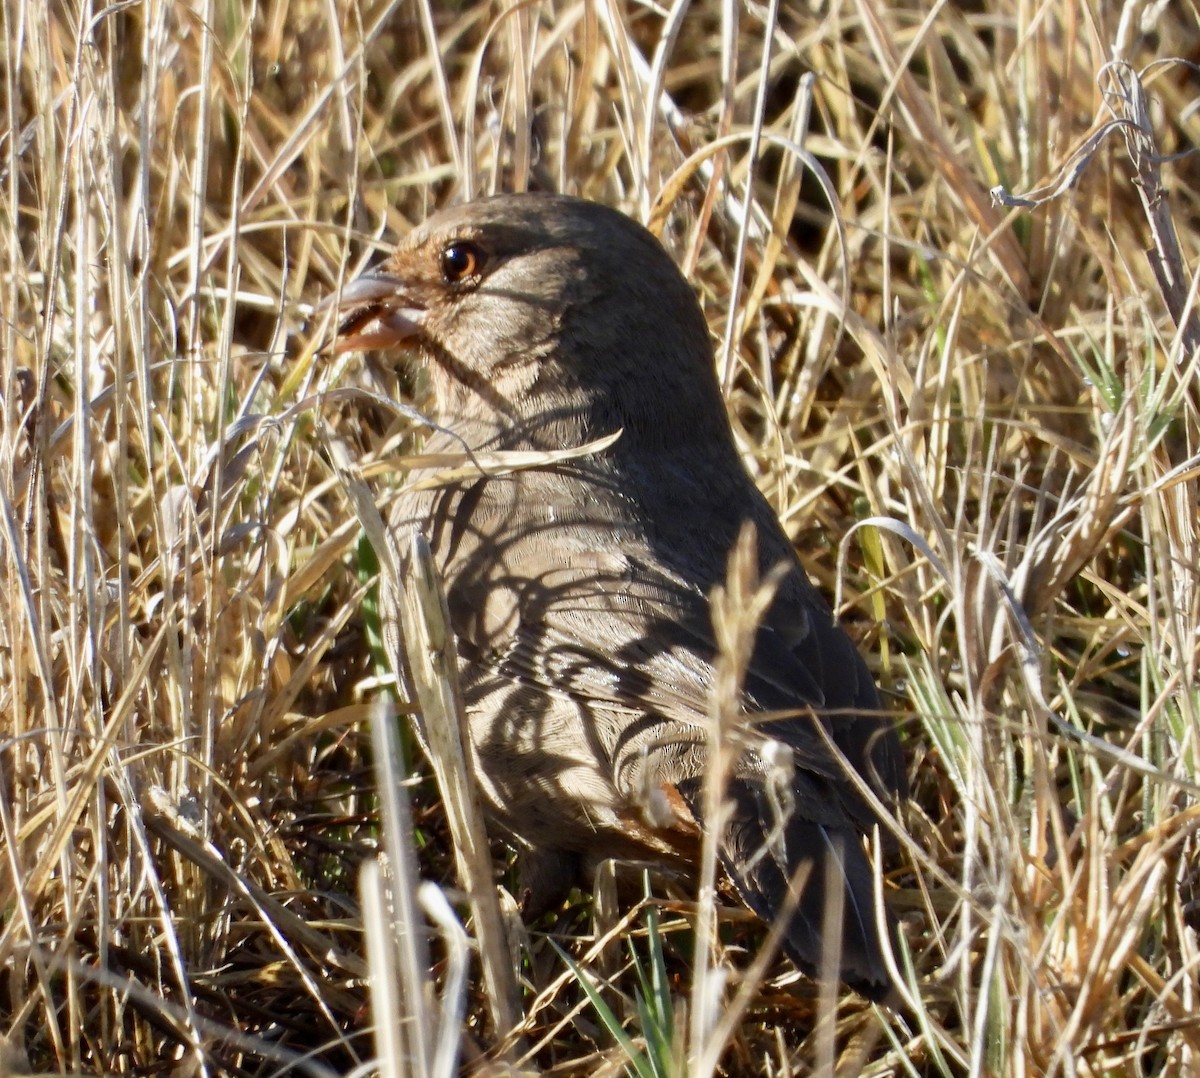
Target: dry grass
{"points": [[189, 638]]}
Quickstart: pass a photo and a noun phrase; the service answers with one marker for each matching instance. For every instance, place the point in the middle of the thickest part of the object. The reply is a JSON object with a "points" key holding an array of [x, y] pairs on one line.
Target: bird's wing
{"points": [[620, 630], [573, 595]]}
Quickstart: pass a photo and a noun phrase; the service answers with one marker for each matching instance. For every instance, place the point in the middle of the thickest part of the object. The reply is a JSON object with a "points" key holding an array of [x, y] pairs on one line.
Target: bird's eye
{"points": [[460, 261]]}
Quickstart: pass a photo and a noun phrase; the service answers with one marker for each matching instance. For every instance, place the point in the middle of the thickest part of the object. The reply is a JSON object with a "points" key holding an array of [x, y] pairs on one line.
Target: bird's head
{"points": [[529, 307]]}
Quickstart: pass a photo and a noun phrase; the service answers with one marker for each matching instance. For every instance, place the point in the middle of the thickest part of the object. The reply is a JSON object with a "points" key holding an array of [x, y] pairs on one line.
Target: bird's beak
{"points": [[379, 314]]}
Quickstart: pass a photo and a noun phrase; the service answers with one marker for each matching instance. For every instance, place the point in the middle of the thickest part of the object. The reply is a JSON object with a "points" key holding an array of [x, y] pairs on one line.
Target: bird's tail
{"points": [[834, 927]]}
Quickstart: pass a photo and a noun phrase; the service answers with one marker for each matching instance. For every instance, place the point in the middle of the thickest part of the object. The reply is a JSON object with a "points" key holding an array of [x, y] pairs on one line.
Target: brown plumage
{"points": [[579, 591]]}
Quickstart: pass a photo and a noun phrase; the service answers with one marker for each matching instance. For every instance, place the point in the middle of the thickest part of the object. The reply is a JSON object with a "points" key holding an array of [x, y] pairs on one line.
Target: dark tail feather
{"points": [[762, 876]]}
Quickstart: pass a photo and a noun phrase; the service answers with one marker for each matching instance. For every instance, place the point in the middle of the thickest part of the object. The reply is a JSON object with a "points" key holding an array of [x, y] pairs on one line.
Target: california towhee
{"points": [[578, 591]]}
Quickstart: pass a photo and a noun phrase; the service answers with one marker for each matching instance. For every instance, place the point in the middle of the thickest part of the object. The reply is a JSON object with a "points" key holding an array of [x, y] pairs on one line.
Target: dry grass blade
{"points": [[1127, 98], [402, 1001], [433, 665], [421, 648], [191, 633], [737, 610], [927, 128], [414, 1034]]}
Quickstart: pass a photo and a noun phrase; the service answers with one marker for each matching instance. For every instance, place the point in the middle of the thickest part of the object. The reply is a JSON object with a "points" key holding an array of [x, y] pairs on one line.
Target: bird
{"points": [[579, 590]]}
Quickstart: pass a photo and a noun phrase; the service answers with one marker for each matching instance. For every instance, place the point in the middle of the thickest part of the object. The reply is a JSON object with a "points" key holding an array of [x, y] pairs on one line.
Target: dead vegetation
{"points": [[948, 261]]}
